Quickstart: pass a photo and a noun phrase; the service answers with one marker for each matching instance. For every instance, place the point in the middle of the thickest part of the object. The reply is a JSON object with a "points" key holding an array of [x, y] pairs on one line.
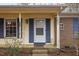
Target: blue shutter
{"points": [[31, 30], [17, 27], [1, 28], [47, 30]]}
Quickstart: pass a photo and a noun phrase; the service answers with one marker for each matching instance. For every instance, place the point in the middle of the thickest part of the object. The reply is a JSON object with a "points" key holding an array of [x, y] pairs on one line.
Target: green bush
{"points": [[13, 47]]}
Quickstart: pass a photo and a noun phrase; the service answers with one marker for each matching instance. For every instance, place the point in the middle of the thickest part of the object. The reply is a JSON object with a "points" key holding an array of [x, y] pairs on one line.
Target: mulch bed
{"points": [[62, 52], [23, 52]]}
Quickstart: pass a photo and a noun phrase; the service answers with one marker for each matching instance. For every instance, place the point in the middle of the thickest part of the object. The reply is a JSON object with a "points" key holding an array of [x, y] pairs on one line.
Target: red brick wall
{"points": [[66, 35]]}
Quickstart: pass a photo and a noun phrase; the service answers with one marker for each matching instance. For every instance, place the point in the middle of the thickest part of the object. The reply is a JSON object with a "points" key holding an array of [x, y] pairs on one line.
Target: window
{"points": [[76, 28], [39, 27], [76, 35], [61, 26], [10, 28]]}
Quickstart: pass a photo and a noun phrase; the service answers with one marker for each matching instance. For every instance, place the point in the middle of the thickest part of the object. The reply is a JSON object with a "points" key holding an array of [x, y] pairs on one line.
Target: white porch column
{"points": [[58, 31], [19, 25]]}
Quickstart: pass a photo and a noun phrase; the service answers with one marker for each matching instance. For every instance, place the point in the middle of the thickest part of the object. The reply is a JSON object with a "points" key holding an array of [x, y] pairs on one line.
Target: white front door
{"points": [[39, 31]]}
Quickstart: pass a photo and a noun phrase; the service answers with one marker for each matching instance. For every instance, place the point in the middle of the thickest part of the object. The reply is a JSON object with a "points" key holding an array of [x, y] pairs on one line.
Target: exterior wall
{"points": [[52, 32], [66, 35], [25, 28]]}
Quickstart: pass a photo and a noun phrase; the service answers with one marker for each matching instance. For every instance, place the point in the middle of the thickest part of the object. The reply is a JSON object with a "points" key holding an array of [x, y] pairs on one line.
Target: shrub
{"points": [[13, 47]]}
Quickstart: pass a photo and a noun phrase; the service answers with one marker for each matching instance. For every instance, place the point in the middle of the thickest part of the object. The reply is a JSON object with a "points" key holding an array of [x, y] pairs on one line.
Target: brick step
{"points": [[39, 52]]}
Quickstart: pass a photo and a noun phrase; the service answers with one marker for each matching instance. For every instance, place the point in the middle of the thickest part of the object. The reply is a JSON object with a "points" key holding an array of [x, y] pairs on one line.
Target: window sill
{"points": [[10, 38]]}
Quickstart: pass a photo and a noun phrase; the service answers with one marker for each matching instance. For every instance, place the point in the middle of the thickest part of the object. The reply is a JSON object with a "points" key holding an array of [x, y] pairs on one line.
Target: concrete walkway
{"points": [[39, 52]]}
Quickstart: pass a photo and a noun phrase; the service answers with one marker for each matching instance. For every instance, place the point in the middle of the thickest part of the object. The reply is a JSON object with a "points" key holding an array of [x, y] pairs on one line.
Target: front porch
{"points": [[22, 29], [19, 23]]}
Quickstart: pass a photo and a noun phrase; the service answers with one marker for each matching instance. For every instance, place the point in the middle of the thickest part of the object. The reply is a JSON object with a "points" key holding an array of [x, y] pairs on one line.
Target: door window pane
{"points": [[39, 31]]}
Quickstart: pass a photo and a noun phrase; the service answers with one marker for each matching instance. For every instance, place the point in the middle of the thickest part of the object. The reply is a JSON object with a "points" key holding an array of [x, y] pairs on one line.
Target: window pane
{"points": [[39, 31]]}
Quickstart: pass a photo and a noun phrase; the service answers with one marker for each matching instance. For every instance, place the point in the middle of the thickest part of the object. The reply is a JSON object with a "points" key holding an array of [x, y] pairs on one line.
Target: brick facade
{"points": [[66, 35]]}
